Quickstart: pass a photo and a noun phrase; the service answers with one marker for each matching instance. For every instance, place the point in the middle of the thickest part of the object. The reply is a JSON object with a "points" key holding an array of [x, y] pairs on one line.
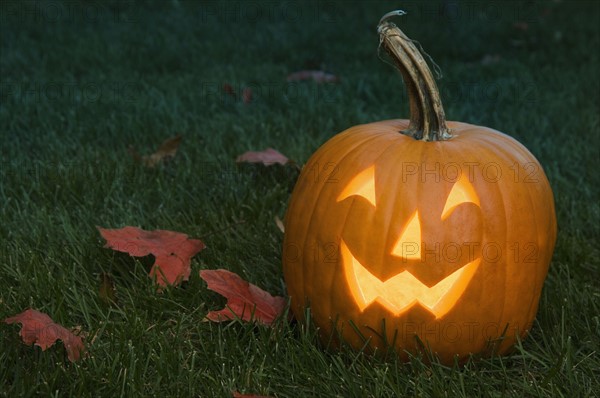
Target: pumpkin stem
{"points": [[427, 118]]}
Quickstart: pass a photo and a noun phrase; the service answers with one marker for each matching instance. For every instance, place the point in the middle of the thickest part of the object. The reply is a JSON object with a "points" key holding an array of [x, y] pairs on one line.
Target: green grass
{"points": [[83, 80]]}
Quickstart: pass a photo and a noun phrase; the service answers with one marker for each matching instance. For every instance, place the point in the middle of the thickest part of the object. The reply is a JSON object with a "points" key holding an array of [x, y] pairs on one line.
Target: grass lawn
{"points": [[83, 80]]}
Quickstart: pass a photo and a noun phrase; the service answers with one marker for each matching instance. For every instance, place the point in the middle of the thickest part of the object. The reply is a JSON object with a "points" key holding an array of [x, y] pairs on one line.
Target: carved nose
{"points": [[408, 245]]}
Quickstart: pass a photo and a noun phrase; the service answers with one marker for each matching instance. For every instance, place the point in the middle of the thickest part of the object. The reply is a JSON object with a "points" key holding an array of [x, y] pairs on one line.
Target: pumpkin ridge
{"points": [[528, 195]]}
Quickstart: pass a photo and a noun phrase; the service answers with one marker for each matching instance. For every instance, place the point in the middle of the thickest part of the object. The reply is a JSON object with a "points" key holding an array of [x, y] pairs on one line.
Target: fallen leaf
{"points": [[279, 224], [244, 300], [166, 151], [267, 157], [228, 89], [136, 156], [173, 250], [545, 12], [318, 76], [106, 292], [39, 329], [247, 95], [521, 25]]}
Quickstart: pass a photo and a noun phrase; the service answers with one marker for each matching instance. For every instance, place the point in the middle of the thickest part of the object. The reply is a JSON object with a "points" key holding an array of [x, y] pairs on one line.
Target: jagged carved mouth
{"points": [[402, 291]]}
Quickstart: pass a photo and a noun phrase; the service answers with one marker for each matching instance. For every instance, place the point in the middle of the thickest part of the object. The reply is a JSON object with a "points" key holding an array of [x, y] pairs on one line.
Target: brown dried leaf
{"points": [[166, 151], [106, 292], [521, 25]]}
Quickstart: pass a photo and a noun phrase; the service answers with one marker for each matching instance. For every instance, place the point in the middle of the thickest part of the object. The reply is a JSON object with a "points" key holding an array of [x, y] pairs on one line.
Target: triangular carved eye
{"points": [[363, 184], [462, 192], [408, 246]]}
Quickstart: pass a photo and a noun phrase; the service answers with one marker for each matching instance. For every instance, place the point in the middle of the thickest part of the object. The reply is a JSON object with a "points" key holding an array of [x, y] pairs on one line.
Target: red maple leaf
{"points": [[173, 250], [39, 329], [267, 157], [244, 300]]}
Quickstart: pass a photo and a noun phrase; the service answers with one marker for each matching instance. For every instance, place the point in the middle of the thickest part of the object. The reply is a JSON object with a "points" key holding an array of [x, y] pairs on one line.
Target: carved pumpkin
{"points": [[420, 233]]}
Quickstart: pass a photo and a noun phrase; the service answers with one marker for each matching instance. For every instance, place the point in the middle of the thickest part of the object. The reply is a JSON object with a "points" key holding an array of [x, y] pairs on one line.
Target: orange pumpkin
{"points": [[418, 233]]}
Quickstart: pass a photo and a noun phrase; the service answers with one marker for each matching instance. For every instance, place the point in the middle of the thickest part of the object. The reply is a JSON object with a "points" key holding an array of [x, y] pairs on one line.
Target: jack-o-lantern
{"points": [[420, 233]]}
